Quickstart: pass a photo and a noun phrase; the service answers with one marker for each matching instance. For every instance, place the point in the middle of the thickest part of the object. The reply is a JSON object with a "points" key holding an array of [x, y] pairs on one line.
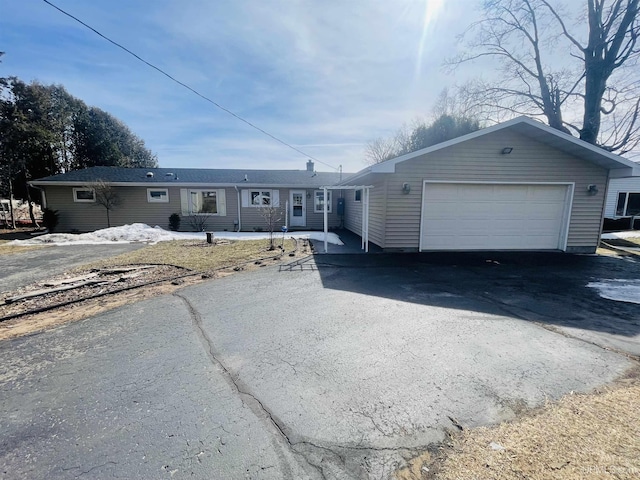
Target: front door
{"points": [[298, 208]]}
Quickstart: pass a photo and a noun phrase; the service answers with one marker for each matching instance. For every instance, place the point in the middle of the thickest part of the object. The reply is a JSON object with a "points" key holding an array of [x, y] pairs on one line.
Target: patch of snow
{"points": [[615, 235], [140, 232], [618, 290]]}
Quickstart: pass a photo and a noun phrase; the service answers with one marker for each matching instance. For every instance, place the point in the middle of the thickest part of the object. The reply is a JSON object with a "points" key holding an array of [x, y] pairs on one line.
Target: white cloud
{"points": [[325, 76]]}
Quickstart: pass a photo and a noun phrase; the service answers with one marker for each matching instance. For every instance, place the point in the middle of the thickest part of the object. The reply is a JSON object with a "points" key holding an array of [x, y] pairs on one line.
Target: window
{"points": [[628, 204], [358, 196], [203, 202], [84, 195], [260, 198], [318, 201], [157, 195]]}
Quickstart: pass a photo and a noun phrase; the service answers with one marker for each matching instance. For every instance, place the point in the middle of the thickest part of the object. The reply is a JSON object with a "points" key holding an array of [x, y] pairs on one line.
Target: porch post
{"points": [[362, 199], [326, 218], [366, 244]]}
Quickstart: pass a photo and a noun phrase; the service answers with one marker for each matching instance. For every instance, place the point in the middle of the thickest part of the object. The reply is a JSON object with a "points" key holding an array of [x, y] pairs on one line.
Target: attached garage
{"points": [[518, 185], [494, 216]]}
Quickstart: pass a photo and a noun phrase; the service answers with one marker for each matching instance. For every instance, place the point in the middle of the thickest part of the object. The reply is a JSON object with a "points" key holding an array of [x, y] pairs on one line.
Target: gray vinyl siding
{"points": [[377, 210], [251, 219], [480, 160], [134, 208], [617, 185]]}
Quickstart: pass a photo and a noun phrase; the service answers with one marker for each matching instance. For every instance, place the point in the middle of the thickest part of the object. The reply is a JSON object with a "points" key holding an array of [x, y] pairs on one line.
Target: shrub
{"points": [[50, 219], [174, 222]]}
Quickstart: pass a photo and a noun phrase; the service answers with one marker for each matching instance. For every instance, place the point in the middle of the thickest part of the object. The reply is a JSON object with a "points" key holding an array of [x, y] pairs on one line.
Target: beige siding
{"points": [[134, 208], [377, 210], [480, 160], [251, 219]]}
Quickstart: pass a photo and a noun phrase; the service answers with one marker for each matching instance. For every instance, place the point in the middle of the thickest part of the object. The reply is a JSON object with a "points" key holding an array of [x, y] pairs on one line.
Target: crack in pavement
{"points": [[254, 404], [296, 448]]}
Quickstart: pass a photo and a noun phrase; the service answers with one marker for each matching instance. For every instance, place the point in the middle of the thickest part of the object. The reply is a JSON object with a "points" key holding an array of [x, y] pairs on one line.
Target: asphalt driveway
{"points": [[24, 268], [335, 368]]}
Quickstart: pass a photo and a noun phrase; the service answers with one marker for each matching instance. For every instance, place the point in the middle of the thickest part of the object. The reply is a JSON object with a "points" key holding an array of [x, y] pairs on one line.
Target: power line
{"points": [[226, 110]]}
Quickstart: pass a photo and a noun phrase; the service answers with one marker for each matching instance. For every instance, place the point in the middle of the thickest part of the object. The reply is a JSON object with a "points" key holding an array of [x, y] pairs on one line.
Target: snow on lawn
{"points": [[139, 232], [618, 290], [614, 235]]}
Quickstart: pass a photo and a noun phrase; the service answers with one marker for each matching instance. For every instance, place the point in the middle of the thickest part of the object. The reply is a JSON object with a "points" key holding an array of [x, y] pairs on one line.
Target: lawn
{"points": [[11, 249], [198, 255], [595, 436]]}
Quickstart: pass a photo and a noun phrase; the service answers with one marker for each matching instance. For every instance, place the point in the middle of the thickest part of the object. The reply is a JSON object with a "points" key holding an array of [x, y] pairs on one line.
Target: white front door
{"points": [[298, 208]]}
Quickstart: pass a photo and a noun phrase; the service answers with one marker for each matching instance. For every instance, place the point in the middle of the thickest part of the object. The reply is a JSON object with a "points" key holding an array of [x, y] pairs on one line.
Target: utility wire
{"points": [[226, 110]]}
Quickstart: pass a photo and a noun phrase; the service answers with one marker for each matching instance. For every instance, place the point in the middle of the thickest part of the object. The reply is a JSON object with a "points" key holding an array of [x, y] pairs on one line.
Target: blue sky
{"points": [[326, 76]]}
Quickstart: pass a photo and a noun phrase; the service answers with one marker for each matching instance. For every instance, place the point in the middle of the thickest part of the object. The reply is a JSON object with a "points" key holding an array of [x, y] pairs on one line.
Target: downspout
{"points": [[239, 205], [43, 196]]}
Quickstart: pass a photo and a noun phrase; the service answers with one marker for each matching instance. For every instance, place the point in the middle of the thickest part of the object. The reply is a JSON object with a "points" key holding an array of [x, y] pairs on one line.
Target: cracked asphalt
{"points": [[337, 367], [53, 260]]}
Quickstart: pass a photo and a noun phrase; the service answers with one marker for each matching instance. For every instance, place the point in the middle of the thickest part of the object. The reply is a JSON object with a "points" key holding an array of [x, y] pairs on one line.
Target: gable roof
{"points": [[530, 128], [121, 176]]}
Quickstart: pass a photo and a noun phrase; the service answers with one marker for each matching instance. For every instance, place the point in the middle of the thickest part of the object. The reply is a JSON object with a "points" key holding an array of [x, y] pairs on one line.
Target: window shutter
{"points": [[184, 201], [222, 203], [245, 198], [275, 198]]}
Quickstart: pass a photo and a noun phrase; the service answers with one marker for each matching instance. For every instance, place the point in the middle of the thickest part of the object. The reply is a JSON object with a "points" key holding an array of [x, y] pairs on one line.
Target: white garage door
{"points": [[457, 216]]}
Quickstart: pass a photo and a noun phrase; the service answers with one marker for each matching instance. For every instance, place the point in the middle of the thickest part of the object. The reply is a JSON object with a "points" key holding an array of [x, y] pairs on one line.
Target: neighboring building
{"points": [[20, 212], [518, 185], [228, 199], [623, 198]]}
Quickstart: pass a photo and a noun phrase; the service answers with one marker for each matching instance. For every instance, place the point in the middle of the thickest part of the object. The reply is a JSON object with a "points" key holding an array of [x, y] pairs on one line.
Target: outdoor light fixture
{"points": [[406, 188], [507, 150], [592, 189], [308, 194]]}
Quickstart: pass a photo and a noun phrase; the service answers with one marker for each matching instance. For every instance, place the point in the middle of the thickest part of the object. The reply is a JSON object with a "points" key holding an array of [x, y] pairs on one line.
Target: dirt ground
{"points": [[84, 292]]}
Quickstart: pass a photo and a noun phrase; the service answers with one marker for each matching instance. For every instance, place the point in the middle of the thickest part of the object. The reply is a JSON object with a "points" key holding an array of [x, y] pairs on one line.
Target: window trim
{"points": [[261, 194], [315, 201], [165, 198], [625, 205], [355, 195], [84, 200], [200, 190]]}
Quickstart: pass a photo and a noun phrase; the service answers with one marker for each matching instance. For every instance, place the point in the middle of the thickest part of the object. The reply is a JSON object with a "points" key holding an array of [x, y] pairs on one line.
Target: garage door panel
{"points": [[493, 216]]}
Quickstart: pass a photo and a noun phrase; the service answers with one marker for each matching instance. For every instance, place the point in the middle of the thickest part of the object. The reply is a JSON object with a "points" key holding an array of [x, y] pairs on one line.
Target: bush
{"points": [[50, 219], [174, 222]]}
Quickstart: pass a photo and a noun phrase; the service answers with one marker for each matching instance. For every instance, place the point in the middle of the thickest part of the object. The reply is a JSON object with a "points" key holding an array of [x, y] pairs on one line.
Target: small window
{"points": [[260, 198], [204, 202], [157, 195], [358, 196], [84, 195], [633, 204], [318, 201], [622, 199], [628, 204]]}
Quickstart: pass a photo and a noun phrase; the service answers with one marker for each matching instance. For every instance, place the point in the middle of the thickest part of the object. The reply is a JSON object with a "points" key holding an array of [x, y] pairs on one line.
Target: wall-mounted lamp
{"points": [[507, 150], [406, 188], [592, 189], [308, 194]]}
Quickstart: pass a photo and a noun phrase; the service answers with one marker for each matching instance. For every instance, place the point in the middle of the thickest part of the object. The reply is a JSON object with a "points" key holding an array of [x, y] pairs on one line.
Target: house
{"points": [[212, 199], [518, 185], [623, 201]]}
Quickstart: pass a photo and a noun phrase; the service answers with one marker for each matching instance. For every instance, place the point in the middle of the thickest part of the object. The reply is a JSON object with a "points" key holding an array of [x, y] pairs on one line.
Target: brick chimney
{"points": [[309, 166]]}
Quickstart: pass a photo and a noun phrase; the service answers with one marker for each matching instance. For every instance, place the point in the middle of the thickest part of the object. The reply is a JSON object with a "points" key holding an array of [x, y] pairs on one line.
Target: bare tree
{"points": [[106, 196], [272, 215], [382, 149], [198, 222], [580, 74]]}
